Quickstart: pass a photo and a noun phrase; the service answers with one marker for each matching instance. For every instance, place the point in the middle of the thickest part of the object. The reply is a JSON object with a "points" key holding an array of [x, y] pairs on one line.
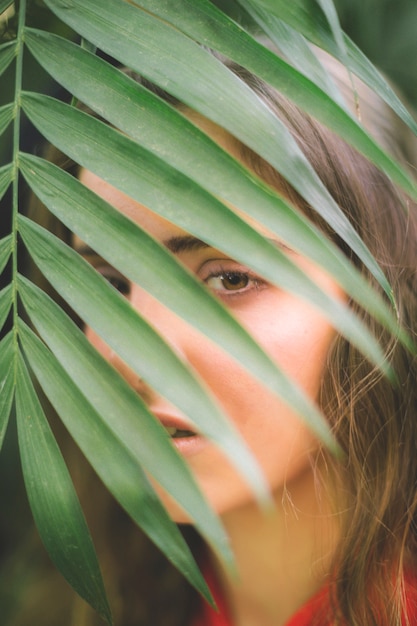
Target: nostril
{"points": [[134, 381]]}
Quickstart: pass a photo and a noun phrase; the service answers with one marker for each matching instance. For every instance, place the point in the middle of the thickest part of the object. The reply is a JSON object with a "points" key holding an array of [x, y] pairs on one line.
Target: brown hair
{"points": [[374, 420]]}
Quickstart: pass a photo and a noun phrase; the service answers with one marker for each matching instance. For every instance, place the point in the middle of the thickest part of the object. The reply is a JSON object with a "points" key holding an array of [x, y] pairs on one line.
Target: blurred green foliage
{"points": [[386, 31]]}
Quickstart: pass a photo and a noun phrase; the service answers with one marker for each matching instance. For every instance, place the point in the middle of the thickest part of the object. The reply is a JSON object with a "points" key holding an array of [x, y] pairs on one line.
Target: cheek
{"points": [[295, 336], [97, 343]]}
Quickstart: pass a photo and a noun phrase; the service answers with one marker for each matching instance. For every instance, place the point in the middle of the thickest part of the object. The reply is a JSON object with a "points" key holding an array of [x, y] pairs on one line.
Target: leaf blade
{"points": [[157, 51], [5, 304], [6, 246], [171, 137], [110, 395], [357, 61], [179, 196], [7, 382], [7, 54], [53, 501], [52, 53], [123, 476], [6, 176], [6, 116], [270, 373]]}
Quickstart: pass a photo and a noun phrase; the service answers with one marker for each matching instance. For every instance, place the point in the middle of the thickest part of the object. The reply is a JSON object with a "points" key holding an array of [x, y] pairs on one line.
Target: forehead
{"points": [[154, 224], [158, 226]]}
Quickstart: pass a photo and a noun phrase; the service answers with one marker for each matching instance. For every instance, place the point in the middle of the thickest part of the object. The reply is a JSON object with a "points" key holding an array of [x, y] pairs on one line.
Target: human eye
{"points": [[228, 281], [115, 278]]}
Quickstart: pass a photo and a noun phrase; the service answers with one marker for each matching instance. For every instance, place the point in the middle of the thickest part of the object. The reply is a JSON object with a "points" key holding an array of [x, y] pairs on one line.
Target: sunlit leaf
{"points": [[111, 396], [52, 498], [5, 251], [7, 382], [156, 50], [111, 459]]}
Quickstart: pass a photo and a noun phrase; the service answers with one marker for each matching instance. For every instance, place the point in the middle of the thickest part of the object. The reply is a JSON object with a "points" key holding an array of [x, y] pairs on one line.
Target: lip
{"points": [[186, 446]]}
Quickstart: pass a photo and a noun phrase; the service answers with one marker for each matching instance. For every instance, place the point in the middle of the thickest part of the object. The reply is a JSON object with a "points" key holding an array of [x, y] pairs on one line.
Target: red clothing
{"points": [[304, 616]]}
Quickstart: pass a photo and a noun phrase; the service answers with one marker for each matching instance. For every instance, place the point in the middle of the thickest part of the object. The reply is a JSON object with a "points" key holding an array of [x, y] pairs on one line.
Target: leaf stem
{"points": [[16, 148]]}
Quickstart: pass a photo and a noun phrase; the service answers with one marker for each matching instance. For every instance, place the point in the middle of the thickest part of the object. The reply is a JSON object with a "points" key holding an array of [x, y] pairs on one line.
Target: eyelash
{"points": [[252, 282], [116, 279]]}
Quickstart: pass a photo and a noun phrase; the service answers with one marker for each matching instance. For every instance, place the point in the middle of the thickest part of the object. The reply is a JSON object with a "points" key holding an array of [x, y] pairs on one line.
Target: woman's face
{"points": [[295, 335]]}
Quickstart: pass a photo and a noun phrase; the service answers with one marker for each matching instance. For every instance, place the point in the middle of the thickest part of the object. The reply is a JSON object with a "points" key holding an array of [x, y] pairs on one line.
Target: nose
{"points": [[174, 331]]}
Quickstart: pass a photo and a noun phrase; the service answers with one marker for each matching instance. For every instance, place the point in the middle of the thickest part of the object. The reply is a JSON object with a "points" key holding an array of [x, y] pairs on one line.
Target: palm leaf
{"points": [[5, 303], [7, 382], [318, 32], [6, 116], [110, 395], [6, 176], [6, 247], [162, 160], [246, 51], [142, 116], [206, 86], [122, 475], [53, 500]]}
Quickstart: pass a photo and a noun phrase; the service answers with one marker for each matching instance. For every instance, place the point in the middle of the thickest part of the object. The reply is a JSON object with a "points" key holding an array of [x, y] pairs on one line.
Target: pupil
{"points": [[234, 282]]}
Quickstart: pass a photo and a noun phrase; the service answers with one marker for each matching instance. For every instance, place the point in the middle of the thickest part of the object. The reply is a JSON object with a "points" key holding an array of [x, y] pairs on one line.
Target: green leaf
{"points": [[6, 246], [6, 174], [208, 25], [157, 51], [7, 54], [6, 116], [111, 316], [170, 136], [329, 11], [110, 395], [111, 459], [140, 258], [229, 39], [304, 16], [5, 304], [7, 382], [295, 49], [53, 500], [181, 201], [317, 31]]}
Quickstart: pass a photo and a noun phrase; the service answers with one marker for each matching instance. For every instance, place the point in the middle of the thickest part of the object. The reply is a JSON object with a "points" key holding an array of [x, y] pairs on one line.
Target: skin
{"points": [[301, 531]]}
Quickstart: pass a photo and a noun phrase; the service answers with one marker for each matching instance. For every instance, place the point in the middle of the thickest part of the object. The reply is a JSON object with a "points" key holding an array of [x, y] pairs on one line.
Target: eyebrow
{"points": [[184, 243]]}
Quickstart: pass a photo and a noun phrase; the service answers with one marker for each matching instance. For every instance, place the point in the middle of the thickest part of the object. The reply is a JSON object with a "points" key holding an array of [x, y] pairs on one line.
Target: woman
{"points": [[340, 546]]}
